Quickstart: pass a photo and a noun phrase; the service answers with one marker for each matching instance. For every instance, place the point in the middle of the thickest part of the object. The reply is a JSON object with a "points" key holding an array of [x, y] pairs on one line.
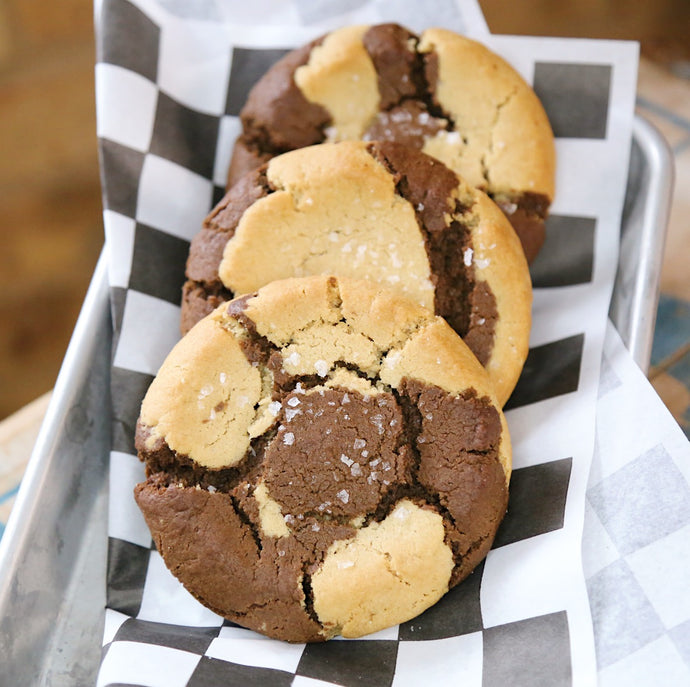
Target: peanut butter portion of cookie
{"points": [[271, 518], [333, 209], [390, 571], [505, 141], [218, 396], [350, 95]]}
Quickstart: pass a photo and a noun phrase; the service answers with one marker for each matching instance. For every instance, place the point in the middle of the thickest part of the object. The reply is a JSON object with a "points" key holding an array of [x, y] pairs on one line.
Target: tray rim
{"points": [[54, 646], [638, 332]]}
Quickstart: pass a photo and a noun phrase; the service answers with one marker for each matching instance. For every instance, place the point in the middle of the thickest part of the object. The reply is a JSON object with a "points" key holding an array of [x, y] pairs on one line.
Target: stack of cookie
{"points": [[325, 447]]}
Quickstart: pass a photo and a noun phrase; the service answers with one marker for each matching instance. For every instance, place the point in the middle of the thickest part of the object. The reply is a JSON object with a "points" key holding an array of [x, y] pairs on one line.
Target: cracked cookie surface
{"points": [[379, 211], [323, 457], [439, 92]]}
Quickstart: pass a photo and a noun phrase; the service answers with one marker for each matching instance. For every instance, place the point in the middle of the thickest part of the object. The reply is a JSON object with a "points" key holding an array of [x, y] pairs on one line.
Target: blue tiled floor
{"points": [[672, 333], [680, 370], [670, 358], [7, 498]]}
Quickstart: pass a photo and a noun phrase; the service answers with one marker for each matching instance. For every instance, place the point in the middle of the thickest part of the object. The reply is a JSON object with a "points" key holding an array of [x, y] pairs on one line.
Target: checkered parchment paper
{"points": [[636, 543], [171, 78]]}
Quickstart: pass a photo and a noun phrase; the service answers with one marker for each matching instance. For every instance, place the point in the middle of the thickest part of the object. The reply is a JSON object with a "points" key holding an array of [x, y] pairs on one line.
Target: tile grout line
{"points": [[681, 147], [670, 360], [671, 116], [9, 493]]}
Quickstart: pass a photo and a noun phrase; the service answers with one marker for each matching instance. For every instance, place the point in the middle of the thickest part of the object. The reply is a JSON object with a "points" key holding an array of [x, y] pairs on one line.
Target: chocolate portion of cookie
{"points": [[206, 248], [375, 468], [527, 213], [321, 459], [409, 124], [456, 440], [458, 296], [285, 119], [407, 113], [391, 49], [212, 544], [438, 92], [279, 119], [200, 299], [203, 291]]}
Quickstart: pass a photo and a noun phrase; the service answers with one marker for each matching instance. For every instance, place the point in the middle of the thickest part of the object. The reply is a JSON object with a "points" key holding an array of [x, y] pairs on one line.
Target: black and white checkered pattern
{"points": [[168, 94], [637, 531]]}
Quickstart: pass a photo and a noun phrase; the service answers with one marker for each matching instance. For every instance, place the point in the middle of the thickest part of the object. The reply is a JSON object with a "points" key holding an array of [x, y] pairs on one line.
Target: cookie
{"points": [[324, 457], [440, 92], [379, 211]]}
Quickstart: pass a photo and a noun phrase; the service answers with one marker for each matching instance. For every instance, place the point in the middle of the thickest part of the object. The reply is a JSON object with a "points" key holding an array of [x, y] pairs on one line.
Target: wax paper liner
{"points": [[171, 78]]}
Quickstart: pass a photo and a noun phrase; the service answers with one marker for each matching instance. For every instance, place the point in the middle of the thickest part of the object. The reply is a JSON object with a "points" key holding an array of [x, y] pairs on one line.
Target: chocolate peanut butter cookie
{"points": [[439, 92], [323, 457], [379, 211]]}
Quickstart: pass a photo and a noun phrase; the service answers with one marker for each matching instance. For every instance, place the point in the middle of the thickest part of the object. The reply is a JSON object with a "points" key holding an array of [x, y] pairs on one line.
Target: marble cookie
{"points": [[323, 457], [380, 211], [440, 92]]}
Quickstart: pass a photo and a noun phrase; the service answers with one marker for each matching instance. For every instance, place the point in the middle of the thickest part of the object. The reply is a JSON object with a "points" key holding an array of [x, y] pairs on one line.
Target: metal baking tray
{"points": [[644, 225], [53, 552]]}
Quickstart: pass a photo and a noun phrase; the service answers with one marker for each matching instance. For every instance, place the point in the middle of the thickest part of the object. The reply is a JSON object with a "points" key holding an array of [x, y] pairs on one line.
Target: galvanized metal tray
{"points": [[53, 552], [643, 235]]}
